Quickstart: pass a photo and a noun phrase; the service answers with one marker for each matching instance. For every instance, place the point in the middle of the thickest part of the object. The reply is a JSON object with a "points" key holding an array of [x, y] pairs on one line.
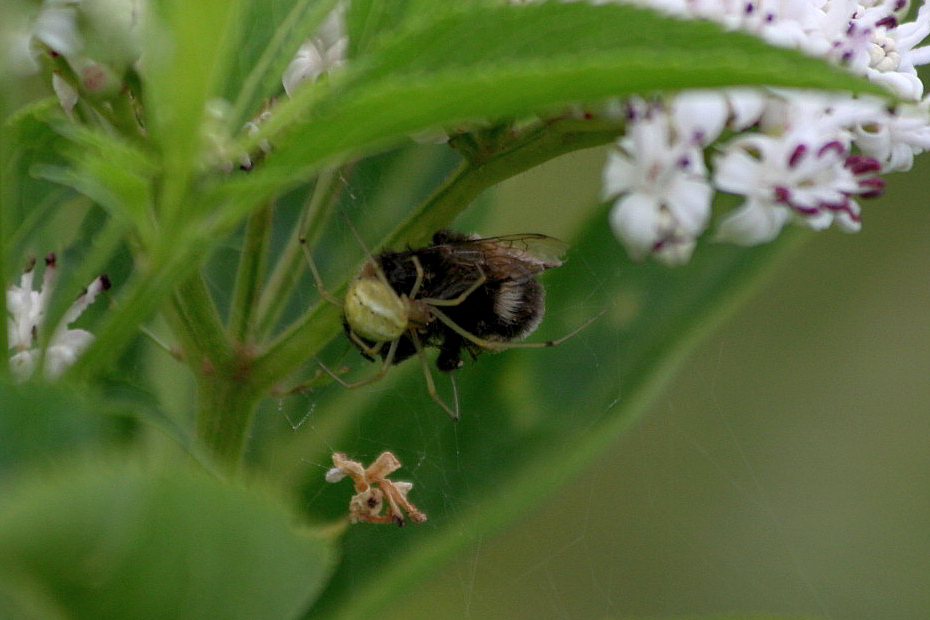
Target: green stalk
{"points": [[6, 200], [291, 262], [225, 408], [145, 291], [252, 265], [124, 117], [202, 322], [473, 177], [226, 398]]}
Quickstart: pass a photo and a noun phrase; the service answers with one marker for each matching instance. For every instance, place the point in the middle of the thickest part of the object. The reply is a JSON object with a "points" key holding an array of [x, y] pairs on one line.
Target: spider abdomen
{"points": [[374, 311]]}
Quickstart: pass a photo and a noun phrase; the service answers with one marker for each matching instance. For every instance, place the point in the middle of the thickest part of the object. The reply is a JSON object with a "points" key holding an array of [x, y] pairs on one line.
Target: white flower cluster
{"points": [[794, 156], [320, 53], [98, 38], [26, 309]]}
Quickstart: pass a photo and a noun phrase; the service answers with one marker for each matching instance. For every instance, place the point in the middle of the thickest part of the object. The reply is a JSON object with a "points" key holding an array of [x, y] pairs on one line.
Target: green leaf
{"points": [[270, 34], [530, 419], [41, 423], [370, 21], [28, 140], [491, 61], [115, 173], [117, 539], [188, 52]]}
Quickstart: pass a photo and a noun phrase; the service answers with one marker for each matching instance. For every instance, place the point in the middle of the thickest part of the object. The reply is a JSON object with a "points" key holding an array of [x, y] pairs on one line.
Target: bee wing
{"points": [[539, 251], [509, 256]]}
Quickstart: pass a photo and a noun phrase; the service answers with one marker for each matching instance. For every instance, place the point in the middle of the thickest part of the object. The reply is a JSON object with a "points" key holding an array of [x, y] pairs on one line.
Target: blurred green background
{"points": [[786, 469]]}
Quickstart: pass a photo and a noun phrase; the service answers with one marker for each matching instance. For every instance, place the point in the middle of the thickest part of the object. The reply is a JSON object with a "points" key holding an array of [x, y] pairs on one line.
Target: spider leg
{"points": [[442, 302], [419, 281], [324, 292], [369, 350], [430, 384], [358, 237], [455, 300], [500, 346], [385, 366], [394, 511], [396, 499]]}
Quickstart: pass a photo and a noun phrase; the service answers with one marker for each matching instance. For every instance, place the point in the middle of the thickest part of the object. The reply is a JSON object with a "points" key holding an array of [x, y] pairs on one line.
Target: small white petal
{"points": [[334, 475], [699, 115], [85, 299], [618, 176], [746, 106], [67, 96], [847, 222], [752, 223], [635, 220], [689, 202], [23, 364], [676, 253], [735, 170], [56, 26], [306, 66], [323, 52], [20, 55], [75, 340]]}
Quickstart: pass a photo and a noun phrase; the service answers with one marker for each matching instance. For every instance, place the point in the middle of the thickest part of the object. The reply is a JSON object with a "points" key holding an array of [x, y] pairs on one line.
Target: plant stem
{"points": [[290, 263], [225, 407], [202, 323], [547, 142], [252, 264], [6, 203]]}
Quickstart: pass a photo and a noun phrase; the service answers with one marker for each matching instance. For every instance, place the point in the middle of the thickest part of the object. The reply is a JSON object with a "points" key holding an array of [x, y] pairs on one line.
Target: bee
{"points": [[461, 294]]}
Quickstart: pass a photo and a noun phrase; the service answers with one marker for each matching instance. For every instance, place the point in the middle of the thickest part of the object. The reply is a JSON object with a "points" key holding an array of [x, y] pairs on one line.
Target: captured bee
{"points": [[460, 294]]}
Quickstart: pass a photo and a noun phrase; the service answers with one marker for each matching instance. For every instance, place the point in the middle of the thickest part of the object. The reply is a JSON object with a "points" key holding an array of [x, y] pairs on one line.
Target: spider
{"points": [[372, 487], [460, 292]]}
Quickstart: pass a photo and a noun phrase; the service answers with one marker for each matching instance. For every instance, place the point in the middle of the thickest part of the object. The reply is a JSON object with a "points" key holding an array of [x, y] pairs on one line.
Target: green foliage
{"points": [[114, 538], [532, 418], [487, 61], [124, 498]]}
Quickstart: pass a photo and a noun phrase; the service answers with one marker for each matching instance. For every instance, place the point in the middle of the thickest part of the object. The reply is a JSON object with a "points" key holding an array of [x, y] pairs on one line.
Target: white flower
{"points": [[27, 313], [796, 156], [16, 32], [53, 24], [895, 137], [658, 183], [319, 54], [699, 116], [799, 176], [893, 53], [57, 27]]}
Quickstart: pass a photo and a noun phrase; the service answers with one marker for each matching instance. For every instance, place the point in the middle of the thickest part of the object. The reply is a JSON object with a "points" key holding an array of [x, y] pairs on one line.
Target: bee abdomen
{"points": [[518, 308]]}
